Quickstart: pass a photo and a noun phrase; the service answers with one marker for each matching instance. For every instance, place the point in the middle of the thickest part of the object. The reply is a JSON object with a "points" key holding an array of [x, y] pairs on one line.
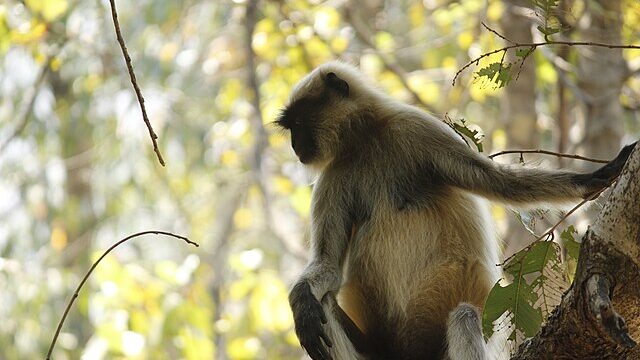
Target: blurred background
{"points": [[77, 170]]}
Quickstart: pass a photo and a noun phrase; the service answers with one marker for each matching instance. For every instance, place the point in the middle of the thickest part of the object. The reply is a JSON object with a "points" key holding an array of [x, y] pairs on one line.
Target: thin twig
{"points": [[134, 82], [497, 33], [549, 232], [30, 99], [546, 152], [537, 44], [95, 264]]}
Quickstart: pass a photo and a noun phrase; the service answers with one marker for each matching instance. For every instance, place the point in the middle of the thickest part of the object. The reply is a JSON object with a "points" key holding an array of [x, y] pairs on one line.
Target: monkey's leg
{"points": [[438, 305]]}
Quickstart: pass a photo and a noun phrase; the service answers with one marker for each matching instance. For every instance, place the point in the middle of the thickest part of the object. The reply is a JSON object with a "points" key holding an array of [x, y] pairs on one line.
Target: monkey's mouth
{"points": [[305, 158]]}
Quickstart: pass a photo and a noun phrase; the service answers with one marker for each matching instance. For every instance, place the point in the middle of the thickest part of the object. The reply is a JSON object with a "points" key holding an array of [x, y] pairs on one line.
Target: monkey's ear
{"points": [[337, 84]]}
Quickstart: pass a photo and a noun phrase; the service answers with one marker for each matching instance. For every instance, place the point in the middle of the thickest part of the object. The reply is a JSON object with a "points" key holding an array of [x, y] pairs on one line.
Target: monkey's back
{"points": [[423, 247]]}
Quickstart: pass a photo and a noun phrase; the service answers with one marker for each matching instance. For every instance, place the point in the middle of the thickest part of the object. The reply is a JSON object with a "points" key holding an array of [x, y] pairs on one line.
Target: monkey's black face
{"points": [[307, 116], [300, 120]]}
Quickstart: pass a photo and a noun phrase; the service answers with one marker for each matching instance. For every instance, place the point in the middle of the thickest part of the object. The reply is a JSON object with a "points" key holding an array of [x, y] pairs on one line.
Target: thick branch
{"points": [[598, 290]]}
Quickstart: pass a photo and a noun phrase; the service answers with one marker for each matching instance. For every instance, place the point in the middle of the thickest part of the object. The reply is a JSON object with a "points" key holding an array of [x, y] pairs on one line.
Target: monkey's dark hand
{"points": [[309, 316], [601, 178]]}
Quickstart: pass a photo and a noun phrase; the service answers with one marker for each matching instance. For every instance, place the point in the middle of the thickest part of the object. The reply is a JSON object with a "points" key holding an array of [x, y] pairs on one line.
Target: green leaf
{"points": [[548, 30], [461, 127], [497, 73], [517, 299], [570, 243], [526, 303], [474, 135]]}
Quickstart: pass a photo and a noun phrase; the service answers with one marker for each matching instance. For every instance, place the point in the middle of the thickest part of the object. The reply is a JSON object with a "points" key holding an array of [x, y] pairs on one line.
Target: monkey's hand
{"points": [[309, 316], [601, 178]]}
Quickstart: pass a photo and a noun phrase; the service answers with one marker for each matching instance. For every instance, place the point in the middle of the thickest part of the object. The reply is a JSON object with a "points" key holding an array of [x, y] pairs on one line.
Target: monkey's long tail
{"points": [[464, 334], [344, 334]]}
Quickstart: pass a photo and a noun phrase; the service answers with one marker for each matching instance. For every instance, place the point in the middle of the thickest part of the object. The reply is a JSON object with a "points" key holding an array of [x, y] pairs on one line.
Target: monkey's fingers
{"points": [[317, 352]]}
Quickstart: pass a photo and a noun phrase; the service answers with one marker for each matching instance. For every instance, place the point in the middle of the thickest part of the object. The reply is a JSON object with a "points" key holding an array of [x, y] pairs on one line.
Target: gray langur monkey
{"points": [[403, 248]]}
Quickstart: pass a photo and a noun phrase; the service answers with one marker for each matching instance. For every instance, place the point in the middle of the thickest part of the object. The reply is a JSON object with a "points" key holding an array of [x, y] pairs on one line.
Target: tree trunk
{"points": [[519, 110], [601, 73], [590, 321]]}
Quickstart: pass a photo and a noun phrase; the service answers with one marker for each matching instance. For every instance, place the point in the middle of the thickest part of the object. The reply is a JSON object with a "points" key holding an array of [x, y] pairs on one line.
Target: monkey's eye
{"points": [[283, 121]]}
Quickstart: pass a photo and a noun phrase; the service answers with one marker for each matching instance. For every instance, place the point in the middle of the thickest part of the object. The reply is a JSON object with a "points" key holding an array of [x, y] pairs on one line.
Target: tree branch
{"points": [[547, 152], [534, 45], [606, 275], [134, 82], [95, 264], [31, 96]]}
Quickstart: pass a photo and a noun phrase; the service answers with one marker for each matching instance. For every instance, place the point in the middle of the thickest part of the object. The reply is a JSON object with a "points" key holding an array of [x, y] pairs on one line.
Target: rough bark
{"points": [[589, 323], [519, 109]]}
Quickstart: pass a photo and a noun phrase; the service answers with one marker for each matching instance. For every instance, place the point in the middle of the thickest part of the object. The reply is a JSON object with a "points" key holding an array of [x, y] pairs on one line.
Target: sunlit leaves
{"points": [[49, 9], [546, 11], [569, 242], [497, 73], [535, 286], [301, 200]]}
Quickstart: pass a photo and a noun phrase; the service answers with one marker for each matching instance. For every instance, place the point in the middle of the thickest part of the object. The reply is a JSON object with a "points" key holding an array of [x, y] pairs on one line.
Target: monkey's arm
{"points": [[323, 275], [460, 166]]}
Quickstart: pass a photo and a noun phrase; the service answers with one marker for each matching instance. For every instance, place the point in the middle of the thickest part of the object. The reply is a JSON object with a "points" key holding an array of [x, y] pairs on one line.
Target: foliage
{"points": [[79, 171], [535, 288]]}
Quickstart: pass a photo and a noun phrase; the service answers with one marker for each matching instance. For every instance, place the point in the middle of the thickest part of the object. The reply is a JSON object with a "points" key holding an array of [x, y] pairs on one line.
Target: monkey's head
{"points": [[321, 106]]}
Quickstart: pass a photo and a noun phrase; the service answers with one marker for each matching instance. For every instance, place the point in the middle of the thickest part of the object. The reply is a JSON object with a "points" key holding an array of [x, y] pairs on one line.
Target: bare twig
{"points": [[134, 82], [549, 233], [31, 96], [95, 264], [547, 152], [538, 44], [30, 99], [497, 33]]}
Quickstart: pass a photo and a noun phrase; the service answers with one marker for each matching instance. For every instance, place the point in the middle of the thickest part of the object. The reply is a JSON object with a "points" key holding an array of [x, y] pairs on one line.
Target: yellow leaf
{"points": [[244, 348], [495, 10], [229, 158], [339, 44], [384, 41], [243, 218], [416, 14], [326, 20], [50, 9], [427, 90], [269, 304], [58, 237], [282, 185], [465, 39], [499, 139], [55, 64], [301, 200]]}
